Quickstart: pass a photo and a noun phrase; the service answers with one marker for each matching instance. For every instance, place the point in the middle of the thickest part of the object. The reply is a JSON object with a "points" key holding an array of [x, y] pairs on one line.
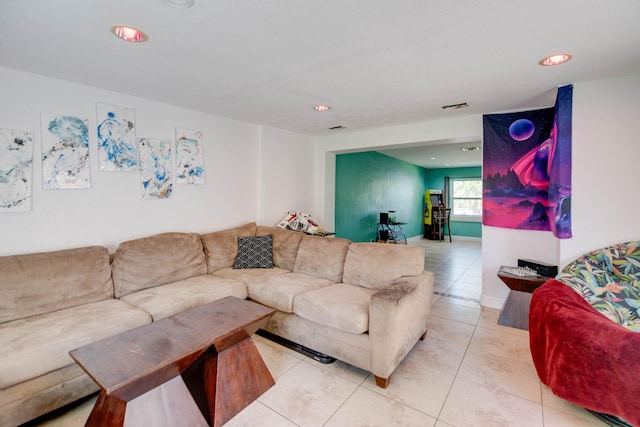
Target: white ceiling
{"points": [[376, 62], [436, 156]]}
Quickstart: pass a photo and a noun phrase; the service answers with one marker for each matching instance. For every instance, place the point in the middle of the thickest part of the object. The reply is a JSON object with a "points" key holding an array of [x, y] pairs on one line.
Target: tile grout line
{"points": [[457, 372]]}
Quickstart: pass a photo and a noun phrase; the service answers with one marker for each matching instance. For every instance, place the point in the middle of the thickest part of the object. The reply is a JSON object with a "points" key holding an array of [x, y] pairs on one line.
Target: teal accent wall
{"points": [[369, 183], [435, 180]]}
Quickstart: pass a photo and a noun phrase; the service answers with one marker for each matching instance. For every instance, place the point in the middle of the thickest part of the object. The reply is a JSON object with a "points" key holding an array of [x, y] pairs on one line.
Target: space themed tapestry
{"points": [[527, 168]]}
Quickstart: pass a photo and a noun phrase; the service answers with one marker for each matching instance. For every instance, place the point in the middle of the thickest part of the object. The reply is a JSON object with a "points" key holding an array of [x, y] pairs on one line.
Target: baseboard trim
{"points": [[492, 302], [469, 238], [453, 236]]}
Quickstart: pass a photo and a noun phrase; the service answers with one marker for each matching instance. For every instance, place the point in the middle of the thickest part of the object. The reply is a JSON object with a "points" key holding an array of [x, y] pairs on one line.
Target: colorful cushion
{"points": [[609, 280], [255, 252]]}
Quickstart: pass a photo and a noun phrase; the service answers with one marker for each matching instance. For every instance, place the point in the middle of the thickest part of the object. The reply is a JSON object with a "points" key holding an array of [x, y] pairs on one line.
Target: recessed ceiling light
{"points": [[455, 106], [322, 108], [470, 148], [555, 59], [433, 158], [129, 34], [181, 4]]}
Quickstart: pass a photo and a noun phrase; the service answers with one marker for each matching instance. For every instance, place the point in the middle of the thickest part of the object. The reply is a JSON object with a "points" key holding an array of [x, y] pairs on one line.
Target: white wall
{"points": [[112, 209], [606, 165], [605, 201], [503, 246], [287, 175]]}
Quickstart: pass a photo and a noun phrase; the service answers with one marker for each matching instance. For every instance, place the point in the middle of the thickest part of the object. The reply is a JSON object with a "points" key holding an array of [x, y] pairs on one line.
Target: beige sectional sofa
{"points": [[363, 303], [51, 303]]}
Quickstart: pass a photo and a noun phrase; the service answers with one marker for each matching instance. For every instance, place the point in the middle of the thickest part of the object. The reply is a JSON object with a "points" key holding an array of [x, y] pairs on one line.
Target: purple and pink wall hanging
{"points": [[527, 168]]}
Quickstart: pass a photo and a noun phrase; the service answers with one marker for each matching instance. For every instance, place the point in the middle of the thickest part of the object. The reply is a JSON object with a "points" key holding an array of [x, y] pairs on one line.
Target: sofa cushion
{"points": [[40, 283], [247, 275], [279, 291], [36, 345], [377, 265], [255, 252], [322, 257], [339, 306], [156, 260], [285, 245], [167, 300], [221, 247]]}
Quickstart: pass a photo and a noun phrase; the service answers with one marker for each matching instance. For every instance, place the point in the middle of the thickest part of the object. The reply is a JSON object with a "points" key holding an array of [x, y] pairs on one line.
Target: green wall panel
{"points": [[369, 183], [435, 180]]}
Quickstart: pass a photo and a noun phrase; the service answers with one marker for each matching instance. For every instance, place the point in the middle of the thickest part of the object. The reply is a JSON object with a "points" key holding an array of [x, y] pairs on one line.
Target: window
{"points": [[466, 199]]}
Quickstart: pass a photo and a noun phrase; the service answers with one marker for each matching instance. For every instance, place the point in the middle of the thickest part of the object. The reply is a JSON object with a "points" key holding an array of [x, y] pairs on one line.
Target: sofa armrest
{"points": [[397, 319]]}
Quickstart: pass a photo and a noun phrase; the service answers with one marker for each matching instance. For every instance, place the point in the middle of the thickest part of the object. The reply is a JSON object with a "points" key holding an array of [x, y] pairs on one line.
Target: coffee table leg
{"points": [[108, 411], [242, 378], [222, 384]]}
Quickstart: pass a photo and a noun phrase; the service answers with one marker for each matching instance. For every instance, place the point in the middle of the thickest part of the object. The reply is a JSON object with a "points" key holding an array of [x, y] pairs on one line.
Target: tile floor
{"points": [[469, 371]]}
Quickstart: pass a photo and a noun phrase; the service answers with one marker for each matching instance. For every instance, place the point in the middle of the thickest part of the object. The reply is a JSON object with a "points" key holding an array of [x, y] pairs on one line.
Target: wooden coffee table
{"points": [[199, 367]]}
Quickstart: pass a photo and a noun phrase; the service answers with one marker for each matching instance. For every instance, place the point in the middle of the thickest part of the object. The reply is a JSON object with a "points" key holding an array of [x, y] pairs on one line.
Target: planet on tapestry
{"points": [[116, 138], [189, 157], [527, 168], [65, 152], [521, 129], [16, 170], [155, 168]]}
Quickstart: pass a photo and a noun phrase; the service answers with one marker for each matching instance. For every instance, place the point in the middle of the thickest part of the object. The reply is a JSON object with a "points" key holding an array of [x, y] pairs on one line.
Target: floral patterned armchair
{"points": [[609, 280], [584, 330]]}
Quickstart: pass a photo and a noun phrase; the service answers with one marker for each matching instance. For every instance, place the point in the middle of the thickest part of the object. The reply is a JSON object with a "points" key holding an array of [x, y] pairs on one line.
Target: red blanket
{"points": [[584, 357]]}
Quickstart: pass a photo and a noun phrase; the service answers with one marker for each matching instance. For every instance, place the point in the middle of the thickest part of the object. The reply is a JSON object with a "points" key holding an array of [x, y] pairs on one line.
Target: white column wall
{"points": [[606, 165]]}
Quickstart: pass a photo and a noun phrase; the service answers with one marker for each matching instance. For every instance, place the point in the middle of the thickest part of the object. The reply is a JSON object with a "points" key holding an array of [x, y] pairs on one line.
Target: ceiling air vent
{"points": [[337, 127]]}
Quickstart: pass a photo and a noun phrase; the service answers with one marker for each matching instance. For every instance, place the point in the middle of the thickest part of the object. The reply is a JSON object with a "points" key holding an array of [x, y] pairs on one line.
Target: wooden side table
{"points": [[515, 312], [198, 368]]}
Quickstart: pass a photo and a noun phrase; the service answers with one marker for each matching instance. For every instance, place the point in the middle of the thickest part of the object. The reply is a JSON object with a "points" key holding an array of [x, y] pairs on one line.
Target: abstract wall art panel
{"points": [[189, 158], [16, 170], [527, 168], [155, 168], [116, 138], [65, 152]]}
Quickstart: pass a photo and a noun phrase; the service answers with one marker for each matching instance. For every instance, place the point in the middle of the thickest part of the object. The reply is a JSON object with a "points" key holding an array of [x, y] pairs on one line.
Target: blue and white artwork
{"points": [[65, 152], [189, 158], [116, 138], [155, 168], [16, 170]]}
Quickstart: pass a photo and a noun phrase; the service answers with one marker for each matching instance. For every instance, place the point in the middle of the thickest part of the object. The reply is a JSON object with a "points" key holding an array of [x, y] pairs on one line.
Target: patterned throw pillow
{"points": [[255, 252]]}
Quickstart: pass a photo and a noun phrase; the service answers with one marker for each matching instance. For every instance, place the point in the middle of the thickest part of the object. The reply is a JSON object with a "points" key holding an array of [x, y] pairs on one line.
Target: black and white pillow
{"points": [[255, 252]]}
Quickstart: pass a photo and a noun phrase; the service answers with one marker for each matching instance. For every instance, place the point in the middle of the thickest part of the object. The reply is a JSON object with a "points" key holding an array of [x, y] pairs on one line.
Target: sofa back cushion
{"points": [[157, 260], [322, 257], [221, 247], [285, 245], [377, 265], [39, 283]]}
